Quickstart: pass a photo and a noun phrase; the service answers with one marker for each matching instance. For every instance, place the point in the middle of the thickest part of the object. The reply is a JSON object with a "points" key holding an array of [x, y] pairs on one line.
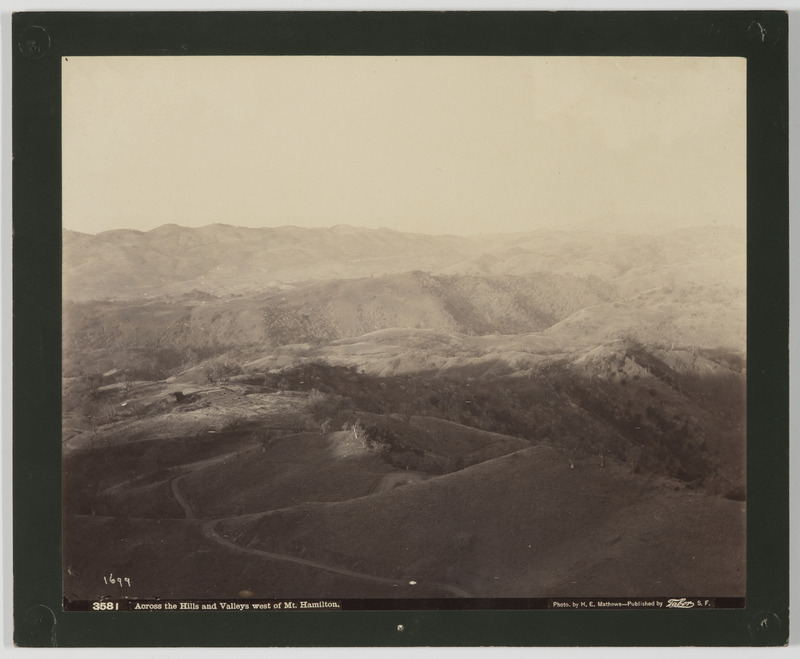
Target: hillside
{"points": [[584, 493], [382, 323], [320, 312], [219, 288], [353, 413], [523, 525]]}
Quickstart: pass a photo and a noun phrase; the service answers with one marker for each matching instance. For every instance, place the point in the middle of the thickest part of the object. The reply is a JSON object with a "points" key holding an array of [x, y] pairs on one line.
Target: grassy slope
{"points": [[526, 525], [171, 559], [120, 502], [453, 439], [288, 472], [522, 525], [304, 467]]}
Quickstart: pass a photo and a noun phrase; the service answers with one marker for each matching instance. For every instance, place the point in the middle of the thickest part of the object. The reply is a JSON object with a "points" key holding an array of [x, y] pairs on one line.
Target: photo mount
{"points": [[40, 40]]}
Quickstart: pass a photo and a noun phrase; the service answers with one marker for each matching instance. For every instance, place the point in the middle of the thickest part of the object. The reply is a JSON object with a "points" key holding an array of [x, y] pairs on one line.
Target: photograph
{"points": [[403, 331]]}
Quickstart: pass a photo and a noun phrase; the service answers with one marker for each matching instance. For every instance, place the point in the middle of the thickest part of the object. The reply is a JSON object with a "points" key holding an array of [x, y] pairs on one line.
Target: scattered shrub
{"points": [[324, 407]]}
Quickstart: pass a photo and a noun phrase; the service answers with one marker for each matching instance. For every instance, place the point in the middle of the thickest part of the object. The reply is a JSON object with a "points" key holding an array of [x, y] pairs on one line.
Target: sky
{"points": [[462, 145]]}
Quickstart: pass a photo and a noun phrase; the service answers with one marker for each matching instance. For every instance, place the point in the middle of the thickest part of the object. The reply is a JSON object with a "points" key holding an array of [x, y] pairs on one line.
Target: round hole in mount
{"points": [[34, 42]]}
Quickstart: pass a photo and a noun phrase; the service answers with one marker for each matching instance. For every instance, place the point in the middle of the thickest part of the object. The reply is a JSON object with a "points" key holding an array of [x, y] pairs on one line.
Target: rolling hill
{"points": [[230, 488], [520, 525], [347, 412]]}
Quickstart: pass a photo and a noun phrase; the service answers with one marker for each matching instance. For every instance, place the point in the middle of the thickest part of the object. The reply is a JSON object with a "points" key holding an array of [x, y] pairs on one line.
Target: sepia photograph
{"points": [[467, 331]]}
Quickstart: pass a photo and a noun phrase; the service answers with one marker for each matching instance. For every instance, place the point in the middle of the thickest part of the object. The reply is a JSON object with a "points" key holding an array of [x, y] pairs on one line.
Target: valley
{"points": [[270, 413]]}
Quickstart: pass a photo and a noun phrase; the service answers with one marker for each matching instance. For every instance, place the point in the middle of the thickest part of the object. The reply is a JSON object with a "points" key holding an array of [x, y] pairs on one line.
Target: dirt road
{"points": [[187, 509], [210, 531]]}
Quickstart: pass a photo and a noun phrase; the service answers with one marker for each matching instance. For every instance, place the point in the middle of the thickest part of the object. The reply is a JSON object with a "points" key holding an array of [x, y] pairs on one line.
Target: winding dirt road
{"points": [[210, 532], [187, 509]]}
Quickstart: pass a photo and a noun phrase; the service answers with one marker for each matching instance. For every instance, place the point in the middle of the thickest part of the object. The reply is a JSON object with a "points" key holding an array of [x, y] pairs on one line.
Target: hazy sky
{"points": [[429, 144]]}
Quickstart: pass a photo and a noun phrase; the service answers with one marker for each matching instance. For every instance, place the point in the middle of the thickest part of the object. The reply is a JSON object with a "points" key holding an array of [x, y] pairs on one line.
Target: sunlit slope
{"points": [[324, 311]]}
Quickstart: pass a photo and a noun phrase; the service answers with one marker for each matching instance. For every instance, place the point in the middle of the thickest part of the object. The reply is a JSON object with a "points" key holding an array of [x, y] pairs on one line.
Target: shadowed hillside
{"points": [[376, 484], [505, 528]]}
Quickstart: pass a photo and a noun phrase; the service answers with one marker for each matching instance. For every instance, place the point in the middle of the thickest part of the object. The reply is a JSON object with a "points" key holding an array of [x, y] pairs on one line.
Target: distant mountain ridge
{"points": [[125, 264], [222, 259]]}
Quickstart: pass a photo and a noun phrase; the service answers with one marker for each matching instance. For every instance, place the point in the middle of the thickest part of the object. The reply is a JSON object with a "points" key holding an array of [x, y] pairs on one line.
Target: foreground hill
{"points": [[524, 525], [675, 413], [228, 492]]}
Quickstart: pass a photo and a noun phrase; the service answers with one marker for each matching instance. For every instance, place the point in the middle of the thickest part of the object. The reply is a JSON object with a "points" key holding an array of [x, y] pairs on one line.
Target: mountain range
{"points": [[222, 285], [222, 259]]}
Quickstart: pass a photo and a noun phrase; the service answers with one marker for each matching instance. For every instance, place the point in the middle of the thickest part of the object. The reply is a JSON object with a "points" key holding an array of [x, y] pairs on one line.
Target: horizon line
{"points": [[570, 228]]}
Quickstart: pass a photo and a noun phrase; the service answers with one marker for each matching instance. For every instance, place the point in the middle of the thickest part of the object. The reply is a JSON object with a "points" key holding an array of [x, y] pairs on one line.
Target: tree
{"points": [[219, 369], [322, 406], [358, 432], [124, 379]]}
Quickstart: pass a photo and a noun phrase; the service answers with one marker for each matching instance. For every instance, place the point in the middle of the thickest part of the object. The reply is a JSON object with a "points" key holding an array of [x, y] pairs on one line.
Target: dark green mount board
{"points": [[46, 615]]}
